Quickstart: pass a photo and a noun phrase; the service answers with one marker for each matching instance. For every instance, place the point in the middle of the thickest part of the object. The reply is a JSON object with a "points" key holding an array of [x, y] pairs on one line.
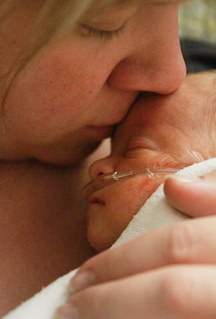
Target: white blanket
{"points": [[155, 213]]}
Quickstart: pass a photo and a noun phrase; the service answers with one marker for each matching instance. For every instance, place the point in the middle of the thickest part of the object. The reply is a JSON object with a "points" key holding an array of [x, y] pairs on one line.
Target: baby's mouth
{"points": [[96, 200]]}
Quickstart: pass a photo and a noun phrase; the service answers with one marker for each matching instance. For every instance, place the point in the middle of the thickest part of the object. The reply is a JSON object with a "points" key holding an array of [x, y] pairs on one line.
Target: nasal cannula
{"points": [[106, 179]]}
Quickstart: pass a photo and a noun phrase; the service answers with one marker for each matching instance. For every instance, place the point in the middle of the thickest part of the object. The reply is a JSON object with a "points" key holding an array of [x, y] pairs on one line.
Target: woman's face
{"points": [[75, 89]]}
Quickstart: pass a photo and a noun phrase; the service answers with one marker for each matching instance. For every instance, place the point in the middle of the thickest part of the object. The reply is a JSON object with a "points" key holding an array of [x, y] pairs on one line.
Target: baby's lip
{"points": [[96, 200]]}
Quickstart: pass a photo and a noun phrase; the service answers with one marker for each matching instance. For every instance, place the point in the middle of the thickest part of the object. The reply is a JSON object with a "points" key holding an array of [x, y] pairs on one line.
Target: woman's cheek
{"points": [[58, 82]]}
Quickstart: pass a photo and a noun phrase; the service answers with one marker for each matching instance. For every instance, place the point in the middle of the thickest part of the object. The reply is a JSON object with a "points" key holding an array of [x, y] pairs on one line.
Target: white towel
{"points": [[155, 213]]}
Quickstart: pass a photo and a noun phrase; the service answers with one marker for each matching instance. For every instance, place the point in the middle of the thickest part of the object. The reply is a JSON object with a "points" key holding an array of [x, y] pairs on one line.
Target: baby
{"points": [[160, 135]]}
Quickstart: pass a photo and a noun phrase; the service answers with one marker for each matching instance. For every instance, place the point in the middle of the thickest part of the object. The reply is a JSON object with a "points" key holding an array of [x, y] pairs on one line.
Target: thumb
{"points": [[193, 196]]}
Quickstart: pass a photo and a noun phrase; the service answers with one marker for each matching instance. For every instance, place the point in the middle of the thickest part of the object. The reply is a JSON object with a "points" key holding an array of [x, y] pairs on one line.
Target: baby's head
{"points": [[171, 131]]}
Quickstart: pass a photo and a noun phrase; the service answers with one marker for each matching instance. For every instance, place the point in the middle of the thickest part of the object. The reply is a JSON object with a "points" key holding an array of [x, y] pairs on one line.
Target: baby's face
{"points": [[159, 132]]}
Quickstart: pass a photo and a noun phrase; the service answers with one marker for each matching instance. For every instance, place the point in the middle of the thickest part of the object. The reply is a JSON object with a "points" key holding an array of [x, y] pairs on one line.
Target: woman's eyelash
{"points": [[103, 34]]}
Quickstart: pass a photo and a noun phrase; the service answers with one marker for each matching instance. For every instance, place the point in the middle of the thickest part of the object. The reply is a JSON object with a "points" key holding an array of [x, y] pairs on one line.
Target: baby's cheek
{"points": [[146, 187], [143, 188], [131, 196]]}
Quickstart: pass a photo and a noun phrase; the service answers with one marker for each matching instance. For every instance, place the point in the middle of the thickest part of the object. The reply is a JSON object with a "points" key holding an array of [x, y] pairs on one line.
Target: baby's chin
{"points": [[103, 229], [106, 223], [112, 209]]}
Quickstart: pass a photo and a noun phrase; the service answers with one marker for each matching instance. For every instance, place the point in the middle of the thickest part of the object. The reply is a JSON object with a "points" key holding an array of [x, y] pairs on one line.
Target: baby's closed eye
{"points": [[137, 145]]}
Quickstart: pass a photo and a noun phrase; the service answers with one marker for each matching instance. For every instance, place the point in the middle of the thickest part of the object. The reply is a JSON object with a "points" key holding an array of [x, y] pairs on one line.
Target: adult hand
{"points": [[169, 273], [193, 196]]}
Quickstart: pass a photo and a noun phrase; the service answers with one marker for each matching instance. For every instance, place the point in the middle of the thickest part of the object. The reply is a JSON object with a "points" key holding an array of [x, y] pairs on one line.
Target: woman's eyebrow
{"points": [[112, 4], [164, 2]]}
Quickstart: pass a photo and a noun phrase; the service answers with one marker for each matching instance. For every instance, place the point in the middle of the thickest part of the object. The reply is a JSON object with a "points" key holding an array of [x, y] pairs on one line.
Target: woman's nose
{"points": [[160, 75], [154, 63], [102, 166]]}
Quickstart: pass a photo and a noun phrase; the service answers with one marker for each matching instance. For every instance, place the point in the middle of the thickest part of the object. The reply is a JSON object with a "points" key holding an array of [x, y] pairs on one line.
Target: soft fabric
{"points": [[155, 213]]}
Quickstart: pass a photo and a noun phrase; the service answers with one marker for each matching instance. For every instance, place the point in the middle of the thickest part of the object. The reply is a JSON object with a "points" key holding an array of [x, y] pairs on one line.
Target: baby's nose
{"points": [[102, 166]]}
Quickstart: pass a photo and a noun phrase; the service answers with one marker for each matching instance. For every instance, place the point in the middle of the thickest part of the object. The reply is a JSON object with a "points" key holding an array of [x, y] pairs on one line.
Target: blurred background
{"points": [[197, 20]]}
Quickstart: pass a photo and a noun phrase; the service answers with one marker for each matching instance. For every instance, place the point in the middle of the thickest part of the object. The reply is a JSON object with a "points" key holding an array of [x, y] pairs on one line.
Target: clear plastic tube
{"points": [[107, 179]]}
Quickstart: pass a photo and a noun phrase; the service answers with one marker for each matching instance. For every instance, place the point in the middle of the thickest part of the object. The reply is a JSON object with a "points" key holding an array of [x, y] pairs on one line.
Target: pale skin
{"points": [[186, 135], [57, 112]]}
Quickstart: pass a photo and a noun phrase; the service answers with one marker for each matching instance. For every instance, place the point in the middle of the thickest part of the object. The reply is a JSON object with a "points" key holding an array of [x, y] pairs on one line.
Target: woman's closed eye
{"points": [[103, 34]]}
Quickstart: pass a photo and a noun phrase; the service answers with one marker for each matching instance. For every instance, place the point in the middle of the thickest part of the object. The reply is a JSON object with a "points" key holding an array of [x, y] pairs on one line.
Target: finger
{"points": [[210, 176], [191, 241], [195, 197], [170, 293]]}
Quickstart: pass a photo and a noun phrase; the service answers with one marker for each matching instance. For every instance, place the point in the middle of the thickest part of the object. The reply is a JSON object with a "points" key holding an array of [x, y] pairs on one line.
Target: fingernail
{"points": [[184, 178], [67, 311], [81, 281]]}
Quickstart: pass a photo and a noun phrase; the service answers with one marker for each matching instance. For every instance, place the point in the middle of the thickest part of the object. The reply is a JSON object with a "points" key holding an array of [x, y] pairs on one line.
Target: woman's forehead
{"points": [[104, 7], [110, 3], [137, 1]]}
